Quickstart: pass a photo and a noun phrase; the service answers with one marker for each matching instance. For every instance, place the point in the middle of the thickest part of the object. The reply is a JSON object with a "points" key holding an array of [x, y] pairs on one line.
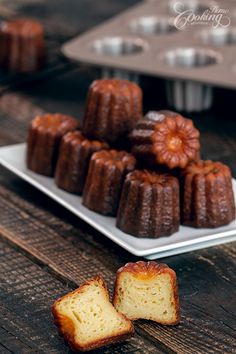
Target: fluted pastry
{"points": [[149, 205], [113, 108], [107, 170], [207, 195], [165, 138], [73, 161], [44, 137], [22, 45]]}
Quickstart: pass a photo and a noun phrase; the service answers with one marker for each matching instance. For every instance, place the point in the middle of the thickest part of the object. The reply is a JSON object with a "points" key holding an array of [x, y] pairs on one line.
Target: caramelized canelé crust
{"points": [[149, 205], [207, 195], [22, 46], [87, 320], [113, 108], [107, 170], [44, 137], [73, 161], [153, 289], [165, 138]]}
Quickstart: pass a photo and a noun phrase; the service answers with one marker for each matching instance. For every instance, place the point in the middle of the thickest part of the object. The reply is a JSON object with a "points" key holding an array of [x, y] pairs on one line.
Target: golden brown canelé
{"points": [[113, 108], [147, 290], [44, 137], [165, 138], [73, 161], [87, 320], [22, 45], [207, 195], [107, 170], [149, 204]]}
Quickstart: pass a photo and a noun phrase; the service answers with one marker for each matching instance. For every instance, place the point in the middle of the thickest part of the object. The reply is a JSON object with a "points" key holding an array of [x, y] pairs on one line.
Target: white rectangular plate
{"points": [[185, 240]]}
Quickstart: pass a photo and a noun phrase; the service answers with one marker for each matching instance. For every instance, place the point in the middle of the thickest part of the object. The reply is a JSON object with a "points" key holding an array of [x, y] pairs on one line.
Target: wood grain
{"points": [[27, 294]]}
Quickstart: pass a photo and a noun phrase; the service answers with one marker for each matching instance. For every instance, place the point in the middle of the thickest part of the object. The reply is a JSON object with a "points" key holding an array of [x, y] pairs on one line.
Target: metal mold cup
{"points": [[118, 46], [152, 25], [187, 95], [219, 36]]}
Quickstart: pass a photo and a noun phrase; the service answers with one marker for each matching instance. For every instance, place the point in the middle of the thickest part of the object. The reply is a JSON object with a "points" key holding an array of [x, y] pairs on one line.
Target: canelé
{"points": [[149, 205], [207, 195], [73, 161], [113, 108], [22, 45], [44, 137], [107, 170], [165, 138]]}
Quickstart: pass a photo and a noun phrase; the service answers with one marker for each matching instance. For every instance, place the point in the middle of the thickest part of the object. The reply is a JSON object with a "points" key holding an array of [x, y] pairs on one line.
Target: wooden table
{"points": [[46, 251]]}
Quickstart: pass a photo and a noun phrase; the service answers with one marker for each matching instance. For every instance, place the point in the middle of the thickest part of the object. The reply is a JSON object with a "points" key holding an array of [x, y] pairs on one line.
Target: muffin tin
{"points": [[145, 40]]}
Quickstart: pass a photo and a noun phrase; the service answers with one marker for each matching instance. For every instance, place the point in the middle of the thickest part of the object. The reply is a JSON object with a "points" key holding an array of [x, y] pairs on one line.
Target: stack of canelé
{"points": [[146, 170]]}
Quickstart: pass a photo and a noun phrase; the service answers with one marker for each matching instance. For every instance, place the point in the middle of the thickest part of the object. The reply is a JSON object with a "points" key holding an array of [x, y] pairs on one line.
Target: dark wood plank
{"points": [[73, 256], [4, 350], [67, 91], [27, 294], [16, 113], [11, 335]]}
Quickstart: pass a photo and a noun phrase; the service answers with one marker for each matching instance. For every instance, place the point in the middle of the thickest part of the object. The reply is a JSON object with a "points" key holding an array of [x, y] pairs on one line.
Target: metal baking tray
{"points": [[185, 240], [146, 39]]}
